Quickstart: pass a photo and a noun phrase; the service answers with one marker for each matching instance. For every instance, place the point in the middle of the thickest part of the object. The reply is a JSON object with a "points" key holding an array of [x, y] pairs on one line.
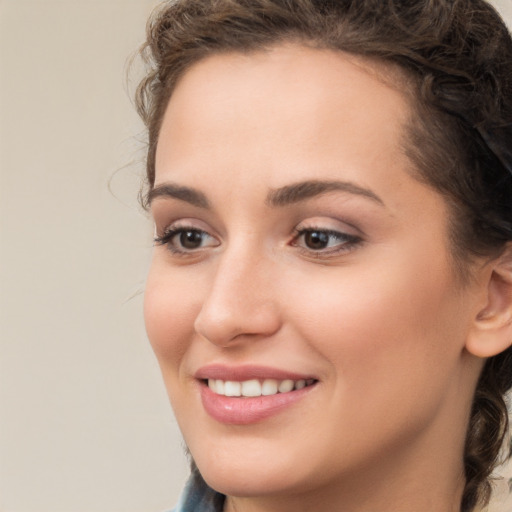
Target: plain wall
{"points": [[85, 424], [84, 419]]}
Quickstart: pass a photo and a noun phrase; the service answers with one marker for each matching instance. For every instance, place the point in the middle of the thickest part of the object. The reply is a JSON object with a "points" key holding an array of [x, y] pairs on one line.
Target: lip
{"points": [[247, 410], [247, 372]]}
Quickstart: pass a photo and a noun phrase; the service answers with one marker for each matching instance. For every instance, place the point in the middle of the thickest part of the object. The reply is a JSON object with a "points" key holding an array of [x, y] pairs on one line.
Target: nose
{"points": [[240, 303]]}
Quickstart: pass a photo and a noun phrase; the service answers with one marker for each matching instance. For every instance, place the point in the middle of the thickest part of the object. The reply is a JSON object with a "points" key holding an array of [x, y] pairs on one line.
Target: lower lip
{"points": [[247, 410]]}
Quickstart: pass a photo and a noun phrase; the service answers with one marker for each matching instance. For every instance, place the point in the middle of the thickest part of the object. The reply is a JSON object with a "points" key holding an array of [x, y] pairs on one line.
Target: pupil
{"points": [[191, 239], [317, 240]]}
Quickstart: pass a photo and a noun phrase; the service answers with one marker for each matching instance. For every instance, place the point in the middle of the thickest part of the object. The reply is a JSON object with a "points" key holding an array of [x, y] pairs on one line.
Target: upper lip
{"points": [[247, 372]]}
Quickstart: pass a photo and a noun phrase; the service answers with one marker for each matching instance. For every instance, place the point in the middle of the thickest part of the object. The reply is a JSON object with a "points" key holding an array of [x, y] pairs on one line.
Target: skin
{"points": [[382, 322]]}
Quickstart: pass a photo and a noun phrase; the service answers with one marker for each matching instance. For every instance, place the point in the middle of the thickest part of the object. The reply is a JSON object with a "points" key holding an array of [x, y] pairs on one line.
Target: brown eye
{"points": [[325, 241], [191, 239], [185, 240], [316, 240]]}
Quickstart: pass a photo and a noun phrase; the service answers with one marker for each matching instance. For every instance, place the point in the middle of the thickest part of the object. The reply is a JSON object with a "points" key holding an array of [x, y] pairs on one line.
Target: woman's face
{"points": [[295, 245]]}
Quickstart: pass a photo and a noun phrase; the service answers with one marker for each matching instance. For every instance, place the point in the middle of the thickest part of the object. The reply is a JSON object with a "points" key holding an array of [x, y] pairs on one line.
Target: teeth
{"points": [[300, 384], [219, 387], [254, 387], [251, 388], [286, 386], [269, 387], [232, 388]]}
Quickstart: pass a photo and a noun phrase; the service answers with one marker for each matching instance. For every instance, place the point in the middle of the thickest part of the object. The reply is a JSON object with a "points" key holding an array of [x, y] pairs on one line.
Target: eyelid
{"points": [[338, 250], [183, 223], [328, 223], [172, 230], [348, 236]]}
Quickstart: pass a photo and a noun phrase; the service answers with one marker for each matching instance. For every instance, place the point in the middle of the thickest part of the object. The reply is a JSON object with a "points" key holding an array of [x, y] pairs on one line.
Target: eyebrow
{"points": [[301, 191], [284, 196], [187, 194]]}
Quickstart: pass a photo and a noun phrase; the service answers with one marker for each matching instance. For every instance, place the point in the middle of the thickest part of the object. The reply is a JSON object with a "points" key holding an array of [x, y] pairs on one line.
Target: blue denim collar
{"points": [[198, 497]]}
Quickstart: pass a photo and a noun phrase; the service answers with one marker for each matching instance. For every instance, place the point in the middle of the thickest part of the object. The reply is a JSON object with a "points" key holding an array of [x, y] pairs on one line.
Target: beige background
{"points": [[84, 420]]}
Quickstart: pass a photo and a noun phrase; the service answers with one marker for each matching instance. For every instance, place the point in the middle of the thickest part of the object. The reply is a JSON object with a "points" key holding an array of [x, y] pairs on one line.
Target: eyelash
{"points": [[346, 241], [169, 234]]}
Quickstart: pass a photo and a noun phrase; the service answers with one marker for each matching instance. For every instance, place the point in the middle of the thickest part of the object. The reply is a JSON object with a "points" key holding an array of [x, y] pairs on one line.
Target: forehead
{"points": [[281, 97]]}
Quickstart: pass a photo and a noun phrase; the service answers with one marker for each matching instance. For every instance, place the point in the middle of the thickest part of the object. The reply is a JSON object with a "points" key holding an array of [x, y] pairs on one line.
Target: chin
{"points": [[252, 482], [256, 472]]}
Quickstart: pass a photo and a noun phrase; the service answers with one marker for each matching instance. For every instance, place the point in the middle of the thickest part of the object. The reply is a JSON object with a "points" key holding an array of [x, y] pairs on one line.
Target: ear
{"points": [[491, 332]]}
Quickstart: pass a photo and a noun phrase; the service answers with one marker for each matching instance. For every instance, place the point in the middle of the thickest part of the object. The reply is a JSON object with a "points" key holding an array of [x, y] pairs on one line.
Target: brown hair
{"points": [[458, 54]]}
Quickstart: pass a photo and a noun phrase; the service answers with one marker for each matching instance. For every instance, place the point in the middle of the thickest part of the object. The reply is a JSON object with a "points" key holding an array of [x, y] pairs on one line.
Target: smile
{"points": [[249, 394], [256, 387]]}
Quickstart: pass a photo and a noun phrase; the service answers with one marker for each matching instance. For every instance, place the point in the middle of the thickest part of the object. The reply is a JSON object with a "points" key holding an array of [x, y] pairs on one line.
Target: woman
{"points": [[330, 297]]}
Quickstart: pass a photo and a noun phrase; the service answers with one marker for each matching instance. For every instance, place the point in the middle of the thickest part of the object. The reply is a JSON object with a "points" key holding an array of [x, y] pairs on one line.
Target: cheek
{"points": [[392, 349], [385, 333], [170, 307]]}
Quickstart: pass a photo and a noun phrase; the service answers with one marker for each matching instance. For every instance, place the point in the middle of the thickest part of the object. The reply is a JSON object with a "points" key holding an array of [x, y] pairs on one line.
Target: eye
{"points": [[186, 239], [325, 240]]}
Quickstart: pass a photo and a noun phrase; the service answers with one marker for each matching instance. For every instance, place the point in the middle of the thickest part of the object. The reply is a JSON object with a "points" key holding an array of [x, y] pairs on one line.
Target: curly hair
{"points": [[458, 56]]}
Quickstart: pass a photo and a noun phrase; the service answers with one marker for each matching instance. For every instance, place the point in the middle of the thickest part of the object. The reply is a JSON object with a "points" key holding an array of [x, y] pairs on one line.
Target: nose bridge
{"points": [[240, 300]]}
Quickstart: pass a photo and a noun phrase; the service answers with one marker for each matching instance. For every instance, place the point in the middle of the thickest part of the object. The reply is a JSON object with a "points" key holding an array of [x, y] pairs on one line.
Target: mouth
{"points": [[256, 387], [245, 395]]}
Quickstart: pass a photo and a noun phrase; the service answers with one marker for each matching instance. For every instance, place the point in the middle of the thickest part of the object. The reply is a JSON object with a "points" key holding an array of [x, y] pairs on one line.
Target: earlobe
{"points": [[492, 330]]}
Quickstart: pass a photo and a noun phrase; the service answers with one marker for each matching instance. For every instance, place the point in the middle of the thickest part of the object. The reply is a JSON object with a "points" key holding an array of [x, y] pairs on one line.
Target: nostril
{"points": [[238, 307], [236, 327]]}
